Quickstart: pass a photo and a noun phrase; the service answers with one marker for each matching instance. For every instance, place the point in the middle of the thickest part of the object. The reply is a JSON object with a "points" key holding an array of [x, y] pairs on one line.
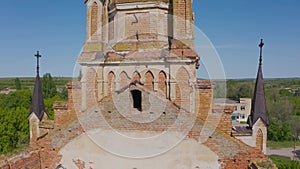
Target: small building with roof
{"points": [[241, 108], [7, 91]]}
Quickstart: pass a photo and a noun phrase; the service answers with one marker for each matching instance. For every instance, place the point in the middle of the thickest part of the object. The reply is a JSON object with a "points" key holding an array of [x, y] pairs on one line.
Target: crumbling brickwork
{"points": [[204, 99], [29, 159], [233, 153]]}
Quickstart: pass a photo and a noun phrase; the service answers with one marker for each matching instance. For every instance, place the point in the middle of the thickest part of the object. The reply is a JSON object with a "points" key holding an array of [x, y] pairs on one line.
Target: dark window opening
{"points": [[234, 107], [243, 108], [137, 99], [233, 118]]}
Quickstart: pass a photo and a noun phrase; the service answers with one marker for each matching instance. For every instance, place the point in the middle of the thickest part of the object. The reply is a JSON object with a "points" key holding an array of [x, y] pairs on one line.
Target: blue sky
{"points": [[57, 29]]}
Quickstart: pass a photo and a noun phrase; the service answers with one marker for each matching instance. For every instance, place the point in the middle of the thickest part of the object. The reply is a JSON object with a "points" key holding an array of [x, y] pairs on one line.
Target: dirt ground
{"points": [[286, 152]]}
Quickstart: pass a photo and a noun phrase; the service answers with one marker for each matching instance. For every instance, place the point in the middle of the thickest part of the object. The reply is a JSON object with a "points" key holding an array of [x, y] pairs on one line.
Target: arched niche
{"points": [[162, 83], [136, 77], [111, 83], [124, 79], [183, 89], [259, 139], [149, 80]]}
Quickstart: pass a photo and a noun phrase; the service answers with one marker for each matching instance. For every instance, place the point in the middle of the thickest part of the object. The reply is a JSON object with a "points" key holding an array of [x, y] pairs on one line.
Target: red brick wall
{"points": [[137, 23], [179, 11], [233, 153], [29, 159], [74, 96], [49, 146], [225, 123], [182, 11], [204, 99], [91, 88]]}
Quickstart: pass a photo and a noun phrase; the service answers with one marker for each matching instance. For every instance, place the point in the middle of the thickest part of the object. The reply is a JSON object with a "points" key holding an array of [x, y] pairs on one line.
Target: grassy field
{"points": [[285, 163], [282, 144], [28, 82]]}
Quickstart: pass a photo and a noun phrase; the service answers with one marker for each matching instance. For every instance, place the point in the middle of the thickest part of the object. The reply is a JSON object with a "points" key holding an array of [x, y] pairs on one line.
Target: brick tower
{"points": [[146, 42]]}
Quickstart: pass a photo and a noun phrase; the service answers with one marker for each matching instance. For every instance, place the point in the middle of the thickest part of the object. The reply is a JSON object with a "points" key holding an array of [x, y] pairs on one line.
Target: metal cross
{"points": [[37, 55], [261, 46]]}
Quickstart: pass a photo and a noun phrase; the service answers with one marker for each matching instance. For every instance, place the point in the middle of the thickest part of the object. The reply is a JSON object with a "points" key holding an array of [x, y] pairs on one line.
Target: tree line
{"points": [[15, 109]]}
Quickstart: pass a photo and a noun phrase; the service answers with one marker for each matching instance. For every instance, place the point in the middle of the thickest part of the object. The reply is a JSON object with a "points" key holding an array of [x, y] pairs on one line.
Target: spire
{"points": [[37, 104], [259, 102]]}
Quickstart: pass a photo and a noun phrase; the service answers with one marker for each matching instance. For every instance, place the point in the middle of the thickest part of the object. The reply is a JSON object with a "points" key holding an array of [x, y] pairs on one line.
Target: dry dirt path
{"points": [[286, 152]]}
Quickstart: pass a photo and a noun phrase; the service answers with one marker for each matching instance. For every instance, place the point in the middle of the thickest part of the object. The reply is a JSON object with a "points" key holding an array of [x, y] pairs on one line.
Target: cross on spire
{"points": [[37, 55], [37, 104], [261, 46]]}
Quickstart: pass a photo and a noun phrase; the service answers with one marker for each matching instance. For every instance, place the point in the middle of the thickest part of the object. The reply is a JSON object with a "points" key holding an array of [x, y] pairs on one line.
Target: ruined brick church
{"points": [[139, 103]]}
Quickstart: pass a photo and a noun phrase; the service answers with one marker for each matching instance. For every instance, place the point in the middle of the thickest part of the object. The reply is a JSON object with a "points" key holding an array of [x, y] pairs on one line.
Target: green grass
{"points": [[285, 163], [282, 144]]}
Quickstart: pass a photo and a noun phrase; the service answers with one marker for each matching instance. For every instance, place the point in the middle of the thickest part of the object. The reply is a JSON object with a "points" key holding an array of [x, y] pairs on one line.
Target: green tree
{"points": [[48, 86], [296, 101], [18, 84], [49, 105], [298, 93], [284, 92], [220, 89], [14, 127], [14, 111], [282, 106], [239, 89]]}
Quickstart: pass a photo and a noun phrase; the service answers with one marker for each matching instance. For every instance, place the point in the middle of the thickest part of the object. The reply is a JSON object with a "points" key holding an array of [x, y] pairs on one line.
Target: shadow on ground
{"points": [[298, 154]]}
